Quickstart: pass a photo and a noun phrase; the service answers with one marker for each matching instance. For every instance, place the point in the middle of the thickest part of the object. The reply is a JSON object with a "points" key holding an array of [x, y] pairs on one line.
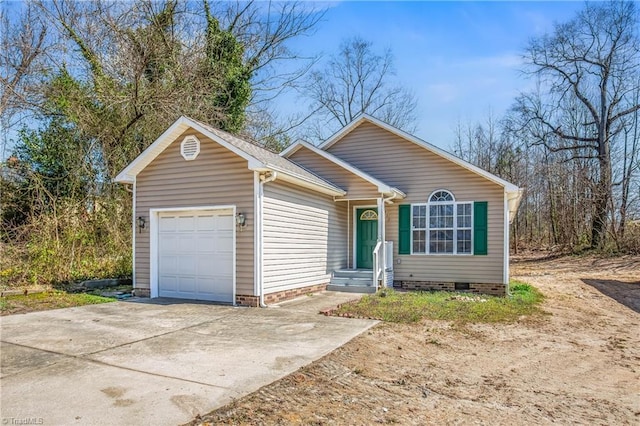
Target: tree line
{"points": [[87, 86], [573, 142]]}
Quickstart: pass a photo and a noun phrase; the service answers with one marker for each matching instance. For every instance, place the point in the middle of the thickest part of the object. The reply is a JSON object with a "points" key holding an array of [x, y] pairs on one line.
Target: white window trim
{"points": [[455, 226]]}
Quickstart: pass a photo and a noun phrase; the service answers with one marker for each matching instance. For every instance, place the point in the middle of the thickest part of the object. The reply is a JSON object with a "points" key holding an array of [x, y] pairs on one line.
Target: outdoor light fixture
{"points": [[142, 223], [241, 220]]}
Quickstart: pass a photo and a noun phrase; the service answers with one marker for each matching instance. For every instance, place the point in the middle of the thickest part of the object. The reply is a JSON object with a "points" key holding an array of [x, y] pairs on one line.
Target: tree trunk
{"points": [[603, 194]]}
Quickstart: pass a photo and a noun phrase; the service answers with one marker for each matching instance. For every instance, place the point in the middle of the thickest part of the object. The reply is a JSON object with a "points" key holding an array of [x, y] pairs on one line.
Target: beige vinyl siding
{"points": [[418, 172], [304, 236], [216, 177], [355, 186]]}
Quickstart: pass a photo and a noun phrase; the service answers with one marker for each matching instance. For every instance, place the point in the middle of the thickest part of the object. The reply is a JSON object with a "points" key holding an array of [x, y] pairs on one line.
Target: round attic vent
{"points": [[190, 147]]}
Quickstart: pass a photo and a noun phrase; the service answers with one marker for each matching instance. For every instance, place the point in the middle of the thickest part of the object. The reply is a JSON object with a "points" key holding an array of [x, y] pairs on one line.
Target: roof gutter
{"points": [[288, 176]]}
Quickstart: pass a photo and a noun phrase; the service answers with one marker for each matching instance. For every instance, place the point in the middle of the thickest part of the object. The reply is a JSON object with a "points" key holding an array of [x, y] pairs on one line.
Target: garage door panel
{"points": [[186, 265], [187, 284], [205, 287], [206, 223], [206, 268], [225, 222], [196, 255], [223, 264], [168, 265], [185, 223], [224, 241], [206, 243], [167, 242], [167, 224], [184, 244], [170, 283]]}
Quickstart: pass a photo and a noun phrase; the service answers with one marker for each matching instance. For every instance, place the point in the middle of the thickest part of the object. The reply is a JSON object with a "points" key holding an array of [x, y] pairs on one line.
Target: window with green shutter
{"points": [[443, 226], [404, 231], [480, 227]]}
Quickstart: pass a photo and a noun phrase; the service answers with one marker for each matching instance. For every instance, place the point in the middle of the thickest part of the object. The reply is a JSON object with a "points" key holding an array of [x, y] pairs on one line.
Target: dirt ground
{"points": [[578, 363]]}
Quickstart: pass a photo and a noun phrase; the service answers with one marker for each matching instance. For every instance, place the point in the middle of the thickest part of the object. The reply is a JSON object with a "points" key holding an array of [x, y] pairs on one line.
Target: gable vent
{"points": [[190, 148]]}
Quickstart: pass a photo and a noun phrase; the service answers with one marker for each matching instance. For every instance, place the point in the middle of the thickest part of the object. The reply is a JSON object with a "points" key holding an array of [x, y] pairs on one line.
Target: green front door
{"points": [[366, 236]]}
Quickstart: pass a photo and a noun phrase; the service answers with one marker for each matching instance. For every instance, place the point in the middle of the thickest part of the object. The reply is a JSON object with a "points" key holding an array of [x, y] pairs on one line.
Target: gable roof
{"points": [[509, 187], [258, 158], [513, 193], [382, 187]]}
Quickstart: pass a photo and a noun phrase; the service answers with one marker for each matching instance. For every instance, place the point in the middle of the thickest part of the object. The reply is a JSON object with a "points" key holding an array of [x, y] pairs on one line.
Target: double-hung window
{"points": [[442, 225]]}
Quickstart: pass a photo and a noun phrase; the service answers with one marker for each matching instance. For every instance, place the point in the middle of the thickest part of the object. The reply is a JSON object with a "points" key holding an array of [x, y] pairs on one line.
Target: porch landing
{"points": [[352, 281]]}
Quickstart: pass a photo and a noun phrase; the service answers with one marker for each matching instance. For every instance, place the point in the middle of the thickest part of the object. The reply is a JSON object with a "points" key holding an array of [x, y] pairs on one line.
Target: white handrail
{"points": [[378, 267]]}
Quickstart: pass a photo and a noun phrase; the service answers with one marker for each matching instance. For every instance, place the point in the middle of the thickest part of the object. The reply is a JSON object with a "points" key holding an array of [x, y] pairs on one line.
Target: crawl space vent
{"points": [[190, 148]]}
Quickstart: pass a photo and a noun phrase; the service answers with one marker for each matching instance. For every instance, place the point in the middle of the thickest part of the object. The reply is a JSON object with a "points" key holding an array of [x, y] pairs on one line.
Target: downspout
{"points": [[384, 236], [348, 230], [259, 220], [131, 187], [388, 200]]}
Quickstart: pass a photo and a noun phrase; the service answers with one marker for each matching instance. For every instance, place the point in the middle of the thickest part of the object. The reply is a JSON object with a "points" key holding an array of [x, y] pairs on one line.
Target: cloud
{"points": [[442, 92]]}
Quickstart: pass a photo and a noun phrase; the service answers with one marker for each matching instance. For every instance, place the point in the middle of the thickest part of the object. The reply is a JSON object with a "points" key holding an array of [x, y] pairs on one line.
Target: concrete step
{"points": [[351, 281], [353, 273], [352, 288]]}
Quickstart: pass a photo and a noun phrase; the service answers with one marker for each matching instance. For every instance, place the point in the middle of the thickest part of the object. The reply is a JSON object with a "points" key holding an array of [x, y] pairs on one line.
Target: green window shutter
{"points": [[480, 232], [404, 231]]}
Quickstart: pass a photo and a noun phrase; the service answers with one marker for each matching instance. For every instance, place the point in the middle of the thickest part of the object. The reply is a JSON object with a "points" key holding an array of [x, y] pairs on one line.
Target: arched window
{"points": [[441, 196], [369, 215], [442, 225]]}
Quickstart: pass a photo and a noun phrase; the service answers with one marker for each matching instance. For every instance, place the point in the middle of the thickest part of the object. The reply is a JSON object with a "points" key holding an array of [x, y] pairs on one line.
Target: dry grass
{"points": [[407, 307]]}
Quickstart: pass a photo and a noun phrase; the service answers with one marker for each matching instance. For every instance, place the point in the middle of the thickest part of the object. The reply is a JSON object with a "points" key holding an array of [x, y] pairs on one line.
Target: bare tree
{"points": [[24, 44], [358, 80], [629, 161], [592, 64], [117, 73]]}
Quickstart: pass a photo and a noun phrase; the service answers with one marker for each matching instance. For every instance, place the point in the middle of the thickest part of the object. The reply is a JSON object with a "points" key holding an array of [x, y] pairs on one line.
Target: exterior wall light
{"points": [[142, 223], [241, 220]]}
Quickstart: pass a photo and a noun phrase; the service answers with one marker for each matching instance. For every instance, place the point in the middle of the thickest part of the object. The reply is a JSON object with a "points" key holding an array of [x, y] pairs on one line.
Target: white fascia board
{"points": [[288, 176], [141, 161], [381, 186], [251, 159], [513, 202], [301, 181], [509, 187], [169, 136], [342, 132], [505, 240], [292, 148]]}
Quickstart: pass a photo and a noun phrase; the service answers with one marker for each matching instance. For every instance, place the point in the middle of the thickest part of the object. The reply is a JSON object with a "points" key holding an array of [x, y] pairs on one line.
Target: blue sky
{"points": [[461, 59]]}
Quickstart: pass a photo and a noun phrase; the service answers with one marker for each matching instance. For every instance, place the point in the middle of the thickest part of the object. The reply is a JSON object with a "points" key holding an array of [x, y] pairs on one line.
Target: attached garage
{"points": [[194, 256]]}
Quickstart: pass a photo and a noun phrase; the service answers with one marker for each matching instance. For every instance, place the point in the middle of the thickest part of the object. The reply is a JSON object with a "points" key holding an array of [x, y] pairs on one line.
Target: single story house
{"points": [[218, 218]]}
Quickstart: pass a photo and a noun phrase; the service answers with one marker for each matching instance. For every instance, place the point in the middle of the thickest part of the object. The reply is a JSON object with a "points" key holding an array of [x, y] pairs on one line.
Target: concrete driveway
{"points": [[144, 362]]}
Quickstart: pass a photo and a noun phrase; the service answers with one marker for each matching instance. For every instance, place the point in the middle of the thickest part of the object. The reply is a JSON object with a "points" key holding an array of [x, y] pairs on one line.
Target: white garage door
{"points": [[195, 255]]}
